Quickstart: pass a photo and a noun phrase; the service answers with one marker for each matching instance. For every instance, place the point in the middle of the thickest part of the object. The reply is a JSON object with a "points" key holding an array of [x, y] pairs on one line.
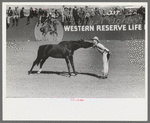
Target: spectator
{"points": [[66, 15], [31, 15], [44, 16], [97, 11], [103, 14], [53, 13], [87, 17], [87, 14], [16, 16], [81, 16], [75, 15], [70, 13], [86, 10], [62, 15], [40, 13], [9, 16], [92, 13], [53, 10], [22, 13], [35, 12], [57, 14]]}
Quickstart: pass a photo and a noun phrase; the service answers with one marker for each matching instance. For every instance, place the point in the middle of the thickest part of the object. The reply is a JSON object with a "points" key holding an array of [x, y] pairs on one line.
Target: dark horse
{"points": [[64, 49]]}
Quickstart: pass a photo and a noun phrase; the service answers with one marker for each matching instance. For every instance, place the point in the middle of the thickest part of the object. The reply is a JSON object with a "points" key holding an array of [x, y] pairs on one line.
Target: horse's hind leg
{"points": [[34, 63], [68, 65], [41, 63], [72, 64]]}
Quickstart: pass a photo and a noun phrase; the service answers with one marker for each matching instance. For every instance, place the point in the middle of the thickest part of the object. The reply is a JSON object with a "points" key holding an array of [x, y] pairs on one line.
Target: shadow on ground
{"points": [[63, 73]]}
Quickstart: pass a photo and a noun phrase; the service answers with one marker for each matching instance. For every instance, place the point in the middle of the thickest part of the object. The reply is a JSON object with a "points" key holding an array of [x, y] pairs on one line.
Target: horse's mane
{"points": [[69, 42]]}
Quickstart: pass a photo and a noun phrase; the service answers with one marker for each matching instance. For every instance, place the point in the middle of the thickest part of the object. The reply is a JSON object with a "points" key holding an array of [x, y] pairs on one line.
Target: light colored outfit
{"points": [[62, 11], [105, 52], [9, 15], [16, 14]]}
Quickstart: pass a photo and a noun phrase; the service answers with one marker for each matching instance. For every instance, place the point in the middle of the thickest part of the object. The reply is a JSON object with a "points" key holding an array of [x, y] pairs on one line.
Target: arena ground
{"points": [[126, 74]]}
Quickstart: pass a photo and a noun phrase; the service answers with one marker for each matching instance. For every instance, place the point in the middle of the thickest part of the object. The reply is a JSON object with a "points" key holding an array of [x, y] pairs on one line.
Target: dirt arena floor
{"points": [[126, 74]]}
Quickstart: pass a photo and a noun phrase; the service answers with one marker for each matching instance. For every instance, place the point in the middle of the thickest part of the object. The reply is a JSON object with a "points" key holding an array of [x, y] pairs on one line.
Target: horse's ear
{"points": [[82, 39]]}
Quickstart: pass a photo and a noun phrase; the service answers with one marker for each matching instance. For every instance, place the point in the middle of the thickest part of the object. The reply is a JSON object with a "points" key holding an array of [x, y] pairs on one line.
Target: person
{"points": [[40, 13], [92, 13], [22, 13], [81, 16], [105, 52], [75, 15], [44, 17], [36, 12], [16, 15], [31, 14], [103, 14], [9, 16], [97, 11], [53, 13], [57, 14], [69, 17], [87, 15], [62, 15], [66, 15]]}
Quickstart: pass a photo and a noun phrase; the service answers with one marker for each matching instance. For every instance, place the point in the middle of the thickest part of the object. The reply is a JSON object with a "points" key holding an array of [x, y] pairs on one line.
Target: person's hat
{"points": [[96, 38]]}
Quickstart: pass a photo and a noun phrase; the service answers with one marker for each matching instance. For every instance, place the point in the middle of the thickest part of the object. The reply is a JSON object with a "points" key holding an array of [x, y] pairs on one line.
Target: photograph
{"points": [[75, 51]]}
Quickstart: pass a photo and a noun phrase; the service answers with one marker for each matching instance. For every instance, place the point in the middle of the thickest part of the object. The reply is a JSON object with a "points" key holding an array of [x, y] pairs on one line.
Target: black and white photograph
{"points": [[75, 52]]}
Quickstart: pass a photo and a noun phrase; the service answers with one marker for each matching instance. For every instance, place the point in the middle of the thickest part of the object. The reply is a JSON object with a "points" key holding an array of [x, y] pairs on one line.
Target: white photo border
{"points": [[95, 109]]}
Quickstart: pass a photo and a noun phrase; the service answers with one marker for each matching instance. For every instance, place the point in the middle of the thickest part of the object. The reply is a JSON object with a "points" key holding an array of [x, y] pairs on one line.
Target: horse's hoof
{"points": [[104, 77], [76, 73]]}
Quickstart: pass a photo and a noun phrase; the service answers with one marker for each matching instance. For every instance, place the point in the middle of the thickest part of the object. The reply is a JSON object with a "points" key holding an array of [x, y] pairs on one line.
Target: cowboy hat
{"points": [[96, 38]]}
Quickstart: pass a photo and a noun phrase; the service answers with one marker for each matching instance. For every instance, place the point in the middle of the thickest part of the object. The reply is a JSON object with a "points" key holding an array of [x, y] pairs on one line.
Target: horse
{"points": [[63, 50]]}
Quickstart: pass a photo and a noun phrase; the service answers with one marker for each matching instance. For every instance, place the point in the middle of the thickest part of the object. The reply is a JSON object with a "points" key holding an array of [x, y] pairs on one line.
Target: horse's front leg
{"points": [[68, 65], [72, 64]]}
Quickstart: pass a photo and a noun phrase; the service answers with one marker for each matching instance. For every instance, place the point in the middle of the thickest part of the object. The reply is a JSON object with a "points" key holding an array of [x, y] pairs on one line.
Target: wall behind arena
{"points": [[24, 32], [110, 28]]}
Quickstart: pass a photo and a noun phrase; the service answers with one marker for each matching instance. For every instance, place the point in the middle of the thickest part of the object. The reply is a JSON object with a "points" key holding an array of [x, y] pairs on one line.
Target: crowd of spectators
{"points": [[68, 15]]}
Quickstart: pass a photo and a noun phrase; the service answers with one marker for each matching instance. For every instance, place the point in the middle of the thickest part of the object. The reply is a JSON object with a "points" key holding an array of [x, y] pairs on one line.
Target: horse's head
{"points": [[85, 44]]}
